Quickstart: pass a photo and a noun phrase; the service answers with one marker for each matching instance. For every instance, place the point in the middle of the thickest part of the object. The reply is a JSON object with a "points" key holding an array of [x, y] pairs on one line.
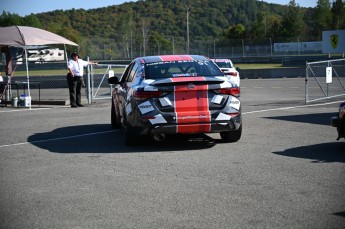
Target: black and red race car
{"points": [[175, 94]]}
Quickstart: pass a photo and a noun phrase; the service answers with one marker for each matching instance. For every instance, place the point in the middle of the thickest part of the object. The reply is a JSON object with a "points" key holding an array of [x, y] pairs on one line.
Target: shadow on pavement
{"points": [[320, 153], [342, 214], [102, 139], [317, 118]]}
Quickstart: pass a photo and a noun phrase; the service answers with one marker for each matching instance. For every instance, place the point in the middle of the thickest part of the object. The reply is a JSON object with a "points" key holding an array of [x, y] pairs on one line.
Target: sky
{"points": [[27, 7]]}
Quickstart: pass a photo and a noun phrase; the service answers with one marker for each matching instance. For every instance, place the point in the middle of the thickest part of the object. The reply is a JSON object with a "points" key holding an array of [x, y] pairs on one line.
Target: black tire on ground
{"points": [[231, 136], [115, 122]]}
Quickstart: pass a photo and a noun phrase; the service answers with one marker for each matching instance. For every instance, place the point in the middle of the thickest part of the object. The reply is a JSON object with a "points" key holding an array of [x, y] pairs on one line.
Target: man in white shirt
{"points": [[74, 78]]}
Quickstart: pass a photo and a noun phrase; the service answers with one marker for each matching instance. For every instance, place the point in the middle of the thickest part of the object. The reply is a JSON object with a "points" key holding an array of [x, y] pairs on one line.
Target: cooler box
{"points": [[24, 101]]}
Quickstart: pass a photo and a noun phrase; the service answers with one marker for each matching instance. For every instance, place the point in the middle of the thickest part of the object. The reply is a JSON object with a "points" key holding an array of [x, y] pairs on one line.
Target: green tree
{"points": [[235, 32], [262, 28], [274, 29], [338, 15], [8, 19], [32, 21], [292, 23], [322, 17], [158, 42]]}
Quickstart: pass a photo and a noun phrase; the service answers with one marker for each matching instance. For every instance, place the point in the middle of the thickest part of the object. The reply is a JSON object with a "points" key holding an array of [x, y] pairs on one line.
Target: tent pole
{"points": [[27, 74], [64, 46]]}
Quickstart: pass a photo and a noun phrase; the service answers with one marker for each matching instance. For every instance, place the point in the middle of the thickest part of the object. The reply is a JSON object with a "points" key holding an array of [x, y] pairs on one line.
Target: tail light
{"points": [[231, 73], [235, 91], [234, 114], [141, 95]]}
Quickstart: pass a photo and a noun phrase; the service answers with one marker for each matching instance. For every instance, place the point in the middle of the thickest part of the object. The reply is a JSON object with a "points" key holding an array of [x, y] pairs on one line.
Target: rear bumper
{"points": [[193, 128], [168, 123]]}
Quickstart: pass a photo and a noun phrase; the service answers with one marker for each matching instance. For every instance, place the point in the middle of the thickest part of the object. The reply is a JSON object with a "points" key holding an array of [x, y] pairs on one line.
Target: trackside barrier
{"points": [[324, 80], [98, 87]]}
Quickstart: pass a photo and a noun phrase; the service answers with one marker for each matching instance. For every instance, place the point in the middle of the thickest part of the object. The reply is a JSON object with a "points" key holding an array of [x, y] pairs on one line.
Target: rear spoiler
{"points": [[186, 80]]}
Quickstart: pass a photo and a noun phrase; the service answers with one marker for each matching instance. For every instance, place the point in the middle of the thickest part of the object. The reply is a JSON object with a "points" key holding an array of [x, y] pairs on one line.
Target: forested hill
{"points": [[207, 18]]}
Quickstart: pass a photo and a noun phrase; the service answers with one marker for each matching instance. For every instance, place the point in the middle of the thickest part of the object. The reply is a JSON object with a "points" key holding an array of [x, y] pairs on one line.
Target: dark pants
{"points": [[74, 85]]}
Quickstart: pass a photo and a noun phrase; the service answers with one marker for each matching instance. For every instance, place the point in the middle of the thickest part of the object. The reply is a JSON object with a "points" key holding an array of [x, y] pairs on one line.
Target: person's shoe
{"points": [[74, 106], [80, 105]]}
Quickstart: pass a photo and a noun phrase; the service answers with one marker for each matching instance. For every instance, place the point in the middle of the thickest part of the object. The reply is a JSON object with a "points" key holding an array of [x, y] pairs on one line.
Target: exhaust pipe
{"points": [[159, 137]]}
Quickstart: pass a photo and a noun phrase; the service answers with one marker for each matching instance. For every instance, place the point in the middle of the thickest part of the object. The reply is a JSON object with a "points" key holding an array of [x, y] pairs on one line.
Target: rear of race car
{"points": [[186, 105]]}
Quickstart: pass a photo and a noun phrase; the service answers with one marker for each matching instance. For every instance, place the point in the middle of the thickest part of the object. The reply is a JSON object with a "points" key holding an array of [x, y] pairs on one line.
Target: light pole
{"points": [[187, 30], [271, 45], [173, 45]]}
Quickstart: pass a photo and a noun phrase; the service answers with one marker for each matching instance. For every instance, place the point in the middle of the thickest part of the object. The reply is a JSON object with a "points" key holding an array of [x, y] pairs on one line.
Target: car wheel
{"points": [[231, 136], [115, 117]]}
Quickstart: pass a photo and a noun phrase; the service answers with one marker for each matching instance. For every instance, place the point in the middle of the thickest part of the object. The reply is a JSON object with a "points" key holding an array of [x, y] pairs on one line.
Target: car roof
{"points": [[154, 59]]}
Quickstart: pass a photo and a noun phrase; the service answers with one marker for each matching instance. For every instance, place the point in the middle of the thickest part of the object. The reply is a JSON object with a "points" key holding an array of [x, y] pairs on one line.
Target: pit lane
{"points": [[64, 168]]}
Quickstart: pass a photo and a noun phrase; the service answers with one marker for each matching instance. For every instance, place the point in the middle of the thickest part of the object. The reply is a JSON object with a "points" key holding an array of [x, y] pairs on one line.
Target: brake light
{"points": [[141, 95], [235, 91], [234, 114], [231, 73]]}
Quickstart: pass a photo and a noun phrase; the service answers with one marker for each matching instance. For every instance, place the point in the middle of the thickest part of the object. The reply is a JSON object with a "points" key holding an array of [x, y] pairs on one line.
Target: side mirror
{"points": [[113, 80]]}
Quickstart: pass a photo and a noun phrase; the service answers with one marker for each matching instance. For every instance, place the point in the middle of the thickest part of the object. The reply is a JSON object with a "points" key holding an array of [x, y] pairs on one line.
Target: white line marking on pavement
{"points": [[20, 109], [32, 109], [288, 108]]}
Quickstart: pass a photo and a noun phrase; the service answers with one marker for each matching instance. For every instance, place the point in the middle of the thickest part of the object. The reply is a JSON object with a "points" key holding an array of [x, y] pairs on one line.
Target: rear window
{"points": [[180, 69], [224, 64]]}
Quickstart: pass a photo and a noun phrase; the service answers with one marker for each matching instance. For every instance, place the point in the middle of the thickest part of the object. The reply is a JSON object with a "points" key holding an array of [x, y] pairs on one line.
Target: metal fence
{"points": [[48, 84], [122, 48], [98, 80], [324, 80]]}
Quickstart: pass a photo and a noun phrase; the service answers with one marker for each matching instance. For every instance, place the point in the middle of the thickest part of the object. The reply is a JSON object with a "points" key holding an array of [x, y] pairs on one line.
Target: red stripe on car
{"points": [[176, 57], [191, 106]]}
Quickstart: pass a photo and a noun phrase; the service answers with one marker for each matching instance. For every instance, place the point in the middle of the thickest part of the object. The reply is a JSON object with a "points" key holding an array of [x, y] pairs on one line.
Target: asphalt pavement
{"points": [[66, 168]]}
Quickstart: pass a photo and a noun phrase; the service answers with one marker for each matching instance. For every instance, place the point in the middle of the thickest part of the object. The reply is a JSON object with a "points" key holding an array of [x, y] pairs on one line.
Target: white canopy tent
{"points": [[24, 36]]}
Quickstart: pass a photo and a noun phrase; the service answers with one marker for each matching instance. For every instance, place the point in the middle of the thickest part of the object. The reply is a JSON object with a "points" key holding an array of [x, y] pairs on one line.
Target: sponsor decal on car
{"points": [[185, 74], [235, 103], [145, 107], [194, 117]]}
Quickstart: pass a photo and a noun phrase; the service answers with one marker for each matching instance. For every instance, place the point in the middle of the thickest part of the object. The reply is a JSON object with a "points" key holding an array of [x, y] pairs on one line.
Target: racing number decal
{"points": [[191, 106]]}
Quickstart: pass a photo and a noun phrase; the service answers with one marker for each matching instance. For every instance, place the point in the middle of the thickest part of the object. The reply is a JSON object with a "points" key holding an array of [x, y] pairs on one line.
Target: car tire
{"points": [[115, 117], [231, 136]]}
